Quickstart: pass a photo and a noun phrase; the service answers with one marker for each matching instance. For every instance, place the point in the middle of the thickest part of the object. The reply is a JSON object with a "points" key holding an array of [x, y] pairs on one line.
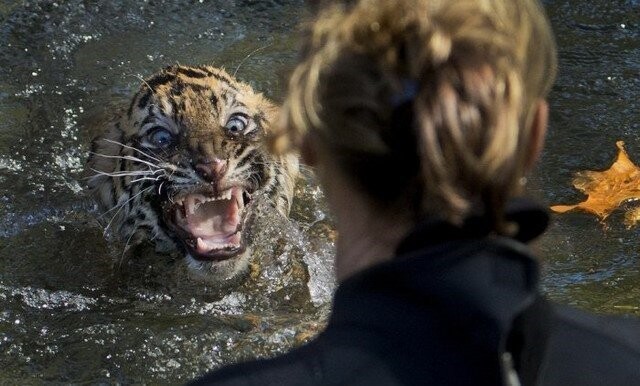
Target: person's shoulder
{"points": [[622, 331], [589, 349], [290, 369], [330, 359]]}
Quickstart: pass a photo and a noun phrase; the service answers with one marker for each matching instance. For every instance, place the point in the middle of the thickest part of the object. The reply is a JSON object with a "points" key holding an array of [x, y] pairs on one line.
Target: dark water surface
{"points": [[68, 313], [594, 103], [72, 306]]}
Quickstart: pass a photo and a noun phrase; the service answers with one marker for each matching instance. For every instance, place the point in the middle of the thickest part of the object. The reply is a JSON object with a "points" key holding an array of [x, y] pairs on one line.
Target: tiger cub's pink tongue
{"points": [[214, 218]]}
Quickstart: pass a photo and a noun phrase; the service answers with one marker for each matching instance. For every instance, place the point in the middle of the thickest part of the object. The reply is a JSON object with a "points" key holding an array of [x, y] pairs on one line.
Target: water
{"points": [[72, 309], [593, 104]]}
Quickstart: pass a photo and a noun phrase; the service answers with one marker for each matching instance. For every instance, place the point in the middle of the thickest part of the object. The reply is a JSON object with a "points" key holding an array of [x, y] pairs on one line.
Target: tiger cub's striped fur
{"points": [[185, 164]]}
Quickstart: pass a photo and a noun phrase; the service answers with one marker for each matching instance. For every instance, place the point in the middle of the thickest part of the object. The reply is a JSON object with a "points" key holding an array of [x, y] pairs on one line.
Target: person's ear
{"points": [[538, 132], [308, 151]]}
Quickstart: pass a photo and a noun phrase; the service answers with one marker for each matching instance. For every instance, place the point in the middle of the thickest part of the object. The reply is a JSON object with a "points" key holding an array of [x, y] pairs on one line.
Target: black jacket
{"points": [[457, 306]]}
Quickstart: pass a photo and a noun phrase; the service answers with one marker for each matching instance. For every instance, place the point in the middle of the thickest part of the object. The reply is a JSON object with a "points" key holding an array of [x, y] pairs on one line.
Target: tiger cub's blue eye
{"points": [[160, 137], [237, 124]]}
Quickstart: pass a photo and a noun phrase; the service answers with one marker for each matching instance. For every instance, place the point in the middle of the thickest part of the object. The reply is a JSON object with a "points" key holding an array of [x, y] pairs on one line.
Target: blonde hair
{"points": [[443, 92]]}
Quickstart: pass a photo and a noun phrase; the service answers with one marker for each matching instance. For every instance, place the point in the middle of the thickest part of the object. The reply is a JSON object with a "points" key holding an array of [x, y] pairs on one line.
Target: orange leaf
{"points": [[607, 190]]}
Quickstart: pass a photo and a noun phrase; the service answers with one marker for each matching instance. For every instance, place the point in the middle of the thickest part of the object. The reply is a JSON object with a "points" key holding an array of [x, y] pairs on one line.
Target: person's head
{"points": [[430, 107]]}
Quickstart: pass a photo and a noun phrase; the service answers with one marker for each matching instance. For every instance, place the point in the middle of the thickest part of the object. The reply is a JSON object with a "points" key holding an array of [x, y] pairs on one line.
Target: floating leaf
{"points": [[607, 190]]}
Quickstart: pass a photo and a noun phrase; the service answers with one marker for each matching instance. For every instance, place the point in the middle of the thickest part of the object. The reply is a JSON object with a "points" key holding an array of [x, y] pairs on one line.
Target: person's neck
{"points": [[367, 234], [365, 238]]}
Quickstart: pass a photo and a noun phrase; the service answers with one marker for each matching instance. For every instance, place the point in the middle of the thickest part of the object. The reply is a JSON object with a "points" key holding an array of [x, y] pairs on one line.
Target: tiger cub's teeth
{"points": [[192, 202], [202, 245], [226, 195], [190, 205]]}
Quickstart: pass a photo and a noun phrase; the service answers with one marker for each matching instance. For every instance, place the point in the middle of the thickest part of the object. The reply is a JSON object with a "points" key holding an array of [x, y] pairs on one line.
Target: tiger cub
{"points": [[186, 163]]}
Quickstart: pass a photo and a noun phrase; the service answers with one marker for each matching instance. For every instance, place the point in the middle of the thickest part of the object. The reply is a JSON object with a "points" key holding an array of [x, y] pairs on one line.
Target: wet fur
{"points": [[131, 183]]}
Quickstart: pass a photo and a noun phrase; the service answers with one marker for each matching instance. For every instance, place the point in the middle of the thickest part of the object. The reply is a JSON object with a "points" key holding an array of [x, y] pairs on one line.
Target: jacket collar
{"points": [[477, 282], [530, 218]]}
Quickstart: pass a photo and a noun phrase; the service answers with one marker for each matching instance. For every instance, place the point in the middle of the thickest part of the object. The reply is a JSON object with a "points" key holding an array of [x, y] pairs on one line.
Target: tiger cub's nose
{"points": [[211, 170]]}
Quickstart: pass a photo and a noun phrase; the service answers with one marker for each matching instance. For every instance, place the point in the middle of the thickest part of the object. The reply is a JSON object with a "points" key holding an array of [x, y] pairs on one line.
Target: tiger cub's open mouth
{"points": [[210, 226]]}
